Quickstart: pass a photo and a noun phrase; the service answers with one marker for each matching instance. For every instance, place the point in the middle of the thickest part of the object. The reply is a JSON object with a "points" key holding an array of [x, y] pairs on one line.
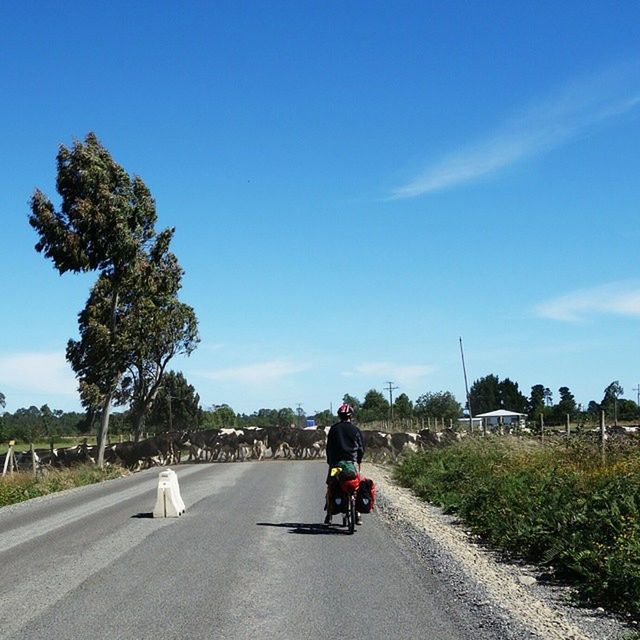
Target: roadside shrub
{"points": [[22, 486], [555, 503]]}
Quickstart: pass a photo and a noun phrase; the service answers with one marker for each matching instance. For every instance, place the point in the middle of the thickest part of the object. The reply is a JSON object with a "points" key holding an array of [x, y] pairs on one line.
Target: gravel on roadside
{"points": [[508, 597]]}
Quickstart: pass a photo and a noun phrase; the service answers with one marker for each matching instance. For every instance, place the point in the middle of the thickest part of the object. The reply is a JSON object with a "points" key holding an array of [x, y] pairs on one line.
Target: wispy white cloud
{"points": [[579, 106], [256, 374], [211, 346], [622, 299], [38, 373], [402, 373]]}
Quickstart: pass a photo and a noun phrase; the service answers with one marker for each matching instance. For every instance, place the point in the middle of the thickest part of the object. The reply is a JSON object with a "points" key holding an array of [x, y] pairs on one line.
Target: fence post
{"points": [[8, 460], [568, 425], [541, 428], [33, 461]]}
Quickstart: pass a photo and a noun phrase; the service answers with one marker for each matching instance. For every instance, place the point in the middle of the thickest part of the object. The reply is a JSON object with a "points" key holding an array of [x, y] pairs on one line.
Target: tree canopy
{"points": [[105, 218], [219, 417], [609, 402], [439, 404], [374, 407], [177, 405], [132, 322], [489, 393], [402, 407]]}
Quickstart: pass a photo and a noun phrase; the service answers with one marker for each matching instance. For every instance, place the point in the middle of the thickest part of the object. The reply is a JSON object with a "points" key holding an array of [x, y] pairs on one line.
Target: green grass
{"points": [[555, 504], [21, 486], [58, 443]]}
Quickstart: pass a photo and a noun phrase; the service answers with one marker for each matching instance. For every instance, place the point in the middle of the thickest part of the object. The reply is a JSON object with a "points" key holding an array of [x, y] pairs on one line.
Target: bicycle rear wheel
{"points": [[351, 519]]}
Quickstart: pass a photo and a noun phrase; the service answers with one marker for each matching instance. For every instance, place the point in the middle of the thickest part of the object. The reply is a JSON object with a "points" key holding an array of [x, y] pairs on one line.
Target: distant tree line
{"points": [[177, 407], [490, 393], [35, 424]]}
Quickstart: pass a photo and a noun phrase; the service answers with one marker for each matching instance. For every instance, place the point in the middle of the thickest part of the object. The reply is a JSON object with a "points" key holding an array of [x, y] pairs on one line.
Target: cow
{"points": [[201, 444], [281, 439], [255, 438], [24, 459], [310, 443], [228, 446], [401, 442], [146, 453], [429, 439], [377, 444], [71, 456]]}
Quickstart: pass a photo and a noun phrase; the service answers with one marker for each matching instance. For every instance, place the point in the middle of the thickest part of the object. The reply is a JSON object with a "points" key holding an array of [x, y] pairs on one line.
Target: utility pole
{"points": [[299, 411], [390, 388], [466, 388], [638, 390], [170, 398]]}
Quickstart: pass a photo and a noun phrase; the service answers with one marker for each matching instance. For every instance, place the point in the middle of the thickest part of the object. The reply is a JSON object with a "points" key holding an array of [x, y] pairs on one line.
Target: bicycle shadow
{"points": [[313, 529]]}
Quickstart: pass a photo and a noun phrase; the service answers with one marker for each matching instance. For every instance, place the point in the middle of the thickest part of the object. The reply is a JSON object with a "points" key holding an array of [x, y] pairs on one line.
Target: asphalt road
{"points": [[249, 559]]}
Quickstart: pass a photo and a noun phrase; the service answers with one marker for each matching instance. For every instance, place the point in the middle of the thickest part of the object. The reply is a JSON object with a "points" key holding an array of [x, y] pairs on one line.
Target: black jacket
{"points": [[344, 442]]}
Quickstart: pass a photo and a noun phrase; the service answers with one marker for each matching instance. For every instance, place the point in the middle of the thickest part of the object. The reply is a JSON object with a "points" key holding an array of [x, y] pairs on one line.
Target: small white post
{"points": [[169, 503]]}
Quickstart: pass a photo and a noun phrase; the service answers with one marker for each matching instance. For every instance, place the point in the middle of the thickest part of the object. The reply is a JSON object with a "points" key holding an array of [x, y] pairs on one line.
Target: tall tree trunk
{"points": [[144, 403], [106, 405], [138, 424], [104, 428]]}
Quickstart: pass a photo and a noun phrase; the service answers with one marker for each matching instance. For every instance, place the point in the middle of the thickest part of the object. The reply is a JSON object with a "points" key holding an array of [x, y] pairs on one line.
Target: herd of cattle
{"points": [[230, 445]]}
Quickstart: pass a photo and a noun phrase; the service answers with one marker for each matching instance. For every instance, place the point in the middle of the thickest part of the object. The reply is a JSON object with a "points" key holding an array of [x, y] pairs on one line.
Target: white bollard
{"points": [[169, 503]]}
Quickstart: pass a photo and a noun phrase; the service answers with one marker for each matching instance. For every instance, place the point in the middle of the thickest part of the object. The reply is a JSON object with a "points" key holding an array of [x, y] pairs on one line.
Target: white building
{"points": [[501, 418]]}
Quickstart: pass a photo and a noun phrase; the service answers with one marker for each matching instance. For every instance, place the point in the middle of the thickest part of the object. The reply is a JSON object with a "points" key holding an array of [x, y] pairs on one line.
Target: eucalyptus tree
{"points": [[105, 222], [159, 327], [153, 327], [100, 357]]}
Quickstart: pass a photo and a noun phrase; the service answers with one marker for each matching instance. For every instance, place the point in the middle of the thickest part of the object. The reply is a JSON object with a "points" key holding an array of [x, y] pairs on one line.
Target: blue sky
{"points": [[354, 186]]}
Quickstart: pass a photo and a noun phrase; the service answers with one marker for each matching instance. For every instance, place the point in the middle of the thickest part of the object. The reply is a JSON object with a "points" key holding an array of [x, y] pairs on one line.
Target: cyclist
{"points": [[344, 442]]}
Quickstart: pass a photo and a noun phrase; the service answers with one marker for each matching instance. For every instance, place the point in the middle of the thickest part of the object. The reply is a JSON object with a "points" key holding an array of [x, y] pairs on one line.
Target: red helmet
{"points": [[345, 410]]}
